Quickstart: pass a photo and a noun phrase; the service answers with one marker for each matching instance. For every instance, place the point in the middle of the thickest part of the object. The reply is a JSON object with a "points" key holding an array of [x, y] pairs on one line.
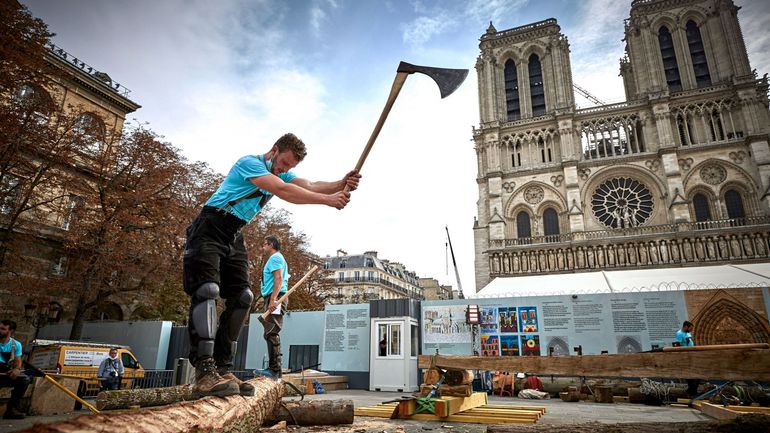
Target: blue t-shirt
{"points": [[275, 262], [237, 185], [684, 338], [6, 348]]}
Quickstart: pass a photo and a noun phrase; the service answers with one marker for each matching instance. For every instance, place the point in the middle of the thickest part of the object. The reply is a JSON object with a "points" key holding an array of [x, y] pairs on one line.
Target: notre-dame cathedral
{"points": [[677, 175]]}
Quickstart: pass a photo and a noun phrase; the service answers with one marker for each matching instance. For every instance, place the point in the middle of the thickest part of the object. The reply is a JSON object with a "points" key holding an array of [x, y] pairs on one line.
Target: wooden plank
{"points": [[540, 409], [406, 408], [750, 409], [740, 364], [718, 412], [451, 405], [478, 415]]}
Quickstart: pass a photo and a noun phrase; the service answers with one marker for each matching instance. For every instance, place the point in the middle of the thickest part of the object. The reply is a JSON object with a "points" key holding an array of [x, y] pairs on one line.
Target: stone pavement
{"points": [[558, 412]]}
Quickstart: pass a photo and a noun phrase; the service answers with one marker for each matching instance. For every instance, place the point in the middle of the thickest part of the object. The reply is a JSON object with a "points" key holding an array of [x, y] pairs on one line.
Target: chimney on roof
{"points": [[371, 253], [341, 253]]}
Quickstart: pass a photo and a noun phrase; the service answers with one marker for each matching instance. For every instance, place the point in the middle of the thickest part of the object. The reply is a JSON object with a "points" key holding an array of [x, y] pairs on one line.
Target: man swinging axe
{"points": [[275, 274], [215, 260]]}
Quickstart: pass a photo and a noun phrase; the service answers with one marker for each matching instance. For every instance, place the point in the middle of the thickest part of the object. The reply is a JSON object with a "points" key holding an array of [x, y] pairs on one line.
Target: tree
{"points": [[123, 238]]}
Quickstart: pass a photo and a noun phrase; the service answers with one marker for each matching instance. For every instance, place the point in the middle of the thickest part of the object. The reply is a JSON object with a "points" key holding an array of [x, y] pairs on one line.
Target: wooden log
{"points": [[431, 376], [451, 405], [125, 398], [209, 414], [458, 377], [313, 412], [741, 364], [749, 423], [718, 412], [603, 394]]}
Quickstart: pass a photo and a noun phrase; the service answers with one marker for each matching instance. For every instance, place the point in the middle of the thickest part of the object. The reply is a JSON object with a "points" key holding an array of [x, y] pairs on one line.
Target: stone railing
{"points": [[744, 239], [609, 107], [87, 69], [520, 29]]}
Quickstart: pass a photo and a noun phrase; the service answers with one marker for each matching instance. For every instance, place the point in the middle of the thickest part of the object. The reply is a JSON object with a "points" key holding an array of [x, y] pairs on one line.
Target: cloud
{"points": [[486, 10], [755, 20], [423, 28]]}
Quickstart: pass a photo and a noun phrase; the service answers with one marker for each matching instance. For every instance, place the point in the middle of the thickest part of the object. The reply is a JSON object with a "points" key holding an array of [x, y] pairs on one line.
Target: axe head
{"points": [[448, 80]]}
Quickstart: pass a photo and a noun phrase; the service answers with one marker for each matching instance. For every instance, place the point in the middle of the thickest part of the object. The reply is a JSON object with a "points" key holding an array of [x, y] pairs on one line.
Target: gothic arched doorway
{"points": [[726, 320]]}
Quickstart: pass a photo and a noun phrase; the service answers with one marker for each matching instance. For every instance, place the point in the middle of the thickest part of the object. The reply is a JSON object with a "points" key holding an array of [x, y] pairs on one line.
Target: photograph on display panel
{"points": [[445, 324], [509, 345], [490, 345], [530, 345], [528, 319], [488, 320], [508, 320]]}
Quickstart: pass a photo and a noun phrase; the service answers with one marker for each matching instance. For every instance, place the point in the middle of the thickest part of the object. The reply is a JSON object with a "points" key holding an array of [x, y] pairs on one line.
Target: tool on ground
{"points": [[264, 315], [448, 80], [427, 403], [40, 373]]}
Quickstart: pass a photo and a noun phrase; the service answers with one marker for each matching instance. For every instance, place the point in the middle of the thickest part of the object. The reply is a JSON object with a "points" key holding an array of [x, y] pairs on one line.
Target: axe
{"points": [[262, 317], [448, 80]]}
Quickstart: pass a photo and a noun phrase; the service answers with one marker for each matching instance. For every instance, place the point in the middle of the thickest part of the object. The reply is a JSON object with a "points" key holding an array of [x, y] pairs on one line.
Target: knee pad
{"points": [[240, 306], [204, 313]]}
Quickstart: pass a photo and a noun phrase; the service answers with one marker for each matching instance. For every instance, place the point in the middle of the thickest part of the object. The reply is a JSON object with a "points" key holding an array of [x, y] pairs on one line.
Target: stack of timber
{"points": [[457, 383], [473, 409], [726, 362], [220, 414], [329, 382]]}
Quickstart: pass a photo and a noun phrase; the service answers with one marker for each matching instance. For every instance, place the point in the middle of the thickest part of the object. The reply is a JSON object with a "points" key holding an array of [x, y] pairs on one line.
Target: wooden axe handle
{"points": [[394, 90], [293, 288]]}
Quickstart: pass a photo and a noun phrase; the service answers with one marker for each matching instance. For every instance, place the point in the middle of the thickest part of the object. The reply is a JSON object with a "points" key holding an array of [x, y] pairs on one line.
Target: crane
{"points": [[454, 263], [583, 92]]}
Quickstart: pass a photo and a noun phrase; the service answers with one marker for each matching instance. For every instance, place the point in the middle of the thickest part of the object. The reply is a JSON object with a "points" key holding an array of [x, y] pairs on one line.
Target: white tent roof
{"points": [[641, 280]]}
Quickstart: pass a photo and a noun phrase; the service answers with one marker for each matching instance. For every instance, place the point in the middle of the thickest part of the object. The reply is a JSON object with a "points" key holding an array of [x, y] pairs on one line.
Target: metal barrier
{"points": [[90, 384]]}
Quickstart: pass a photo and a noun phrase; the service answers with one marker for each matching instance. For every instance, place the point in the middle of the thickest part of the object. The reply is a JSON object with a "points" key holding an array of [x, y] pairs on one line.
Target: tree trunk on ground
{"points": [[125, 398], [447, 391], [317, 412], [458, 377], [210, 414], [749, 423]]}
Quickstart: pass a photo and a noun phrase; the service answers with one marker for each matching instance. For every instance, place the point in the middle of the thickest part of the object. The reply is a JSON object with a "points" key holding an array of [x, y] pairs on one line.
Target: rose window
{"points": [[622, 202]]}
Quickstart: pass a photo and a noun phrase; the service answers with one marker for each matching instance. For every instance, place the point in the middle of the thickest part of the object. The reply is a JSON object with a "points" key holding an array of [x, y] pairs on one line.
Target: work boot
{"points": [[13, 413], [246, 389], [209, 382]]}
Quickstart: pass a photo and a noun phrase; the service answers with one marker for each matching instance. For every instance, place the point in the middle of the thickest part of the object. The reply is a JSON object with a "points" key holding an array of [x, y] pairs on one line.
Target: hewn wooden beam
{"points": [[740, 364]]}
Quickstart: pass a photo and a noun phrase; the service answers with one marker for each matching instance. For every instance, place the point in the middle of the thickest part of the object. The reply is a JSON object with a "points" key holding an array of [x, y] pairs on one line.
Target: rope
{"points": [[294, 420], [656, 389]]}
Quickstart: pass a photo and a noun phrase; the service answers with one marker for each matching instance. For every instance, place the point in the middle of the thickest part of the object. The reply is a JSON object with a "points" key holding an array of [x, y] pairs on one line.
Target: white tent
{"points": [[641, 280]]}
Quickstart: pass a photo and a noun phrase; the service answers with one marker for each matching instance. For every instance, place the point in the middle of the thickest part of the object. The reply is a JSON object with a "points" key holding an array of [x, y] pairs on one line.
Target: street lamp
{"points": [[43, 314]]}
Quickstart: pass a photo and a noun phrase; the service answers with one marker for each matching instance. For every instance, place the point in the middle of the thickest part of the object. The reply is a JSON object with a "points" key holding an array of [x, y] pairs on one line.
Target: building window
{"points": [[370, 275], [90, 130], [512, 91], [551, 224], [536, 89], [369, 263], [685, 130], [389, 338], [326, 265], [73, 202], [516, 157], [734, 204], [34, 101], [9, 194], [357, 275], [343, 264], [415, 341], [340, 276], [59, 268], [698, 54], [670, 66], [701, 206], [523, 229], [622, 202]]}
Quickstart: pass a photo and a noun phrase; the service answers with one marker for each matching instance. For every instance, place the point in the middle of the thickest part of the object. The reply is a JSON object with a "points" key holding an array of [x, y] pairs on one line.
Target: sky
{"points": [[223, 79]]}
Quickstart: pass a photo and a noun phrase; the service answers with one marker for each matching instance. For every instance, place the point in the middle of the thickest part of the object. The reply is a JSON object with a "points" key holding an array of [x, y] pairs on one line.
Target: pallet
{"points": [[486, 414]]}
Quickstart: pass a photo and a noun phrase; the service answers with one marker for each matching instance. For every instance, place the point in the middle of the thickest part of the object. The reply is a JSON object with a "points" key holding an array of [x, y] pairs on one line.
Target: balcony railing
{"points": [[632, 231], [739, 240]]}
